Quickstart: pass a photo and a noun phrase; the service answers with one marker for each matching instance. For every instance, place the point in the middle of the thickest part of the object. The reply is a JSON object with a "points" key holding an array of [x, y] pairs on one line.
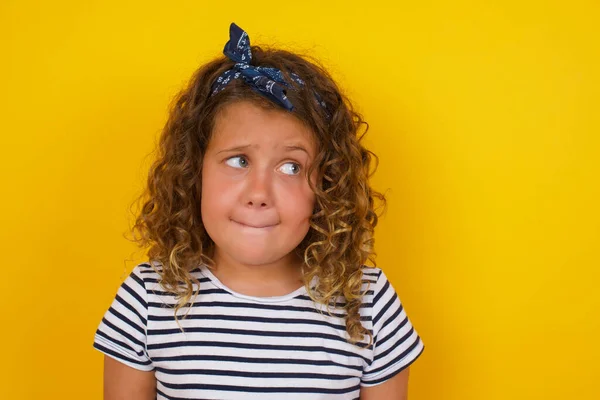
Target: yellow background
{"points": [[484, 115]]}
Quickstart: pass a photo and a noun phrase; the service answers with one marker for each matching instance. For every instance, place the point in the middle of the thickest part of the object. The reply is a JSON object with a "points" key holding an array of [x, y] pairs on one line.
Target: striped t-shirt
{"points": [[236, 346]]}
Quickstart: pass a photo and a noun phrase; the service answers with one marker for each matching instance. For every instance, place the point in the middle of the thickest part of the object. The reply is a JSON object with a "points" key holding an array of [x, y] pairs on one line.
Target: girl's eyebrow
{"points": [[287, 148], [236, 148], [296, 147]]}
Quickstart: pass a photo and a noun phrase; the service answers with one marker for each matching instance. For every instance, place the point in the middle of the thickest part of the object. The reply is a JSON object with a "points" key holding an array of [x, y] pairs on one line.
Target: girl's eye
{"points": [[237, 162], [290, 168]]}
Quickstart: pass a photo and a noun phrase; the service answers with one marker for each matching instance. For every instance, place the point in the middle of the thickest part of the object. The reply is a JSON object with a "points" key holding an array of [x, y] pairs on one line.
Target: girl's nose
{"points": [[258, 191]]}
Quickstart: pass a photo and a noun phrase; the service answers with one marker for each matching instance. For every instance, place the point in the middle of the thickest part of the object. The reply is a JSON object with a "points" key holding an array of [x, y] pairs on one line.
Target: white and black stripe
{"points": [[241, 347]]}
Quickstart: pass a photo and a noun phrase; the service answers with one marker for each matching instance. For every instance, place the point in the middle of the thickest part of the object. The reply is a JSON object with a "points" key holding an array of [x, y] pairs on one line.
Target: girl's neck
{"points": [[275, 279]]}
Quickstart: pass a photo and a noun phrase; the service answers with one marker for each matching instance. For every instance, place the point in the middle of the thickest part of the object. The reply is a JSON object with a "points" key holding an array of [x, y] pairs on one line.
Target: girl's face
{"points": [[256, 201]]}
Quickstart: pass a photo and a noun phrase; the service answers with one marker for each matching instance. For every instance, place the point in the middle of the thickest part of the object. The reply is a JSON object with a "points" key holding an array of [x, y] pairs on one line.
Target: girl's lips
{"points": [[258, 226]]}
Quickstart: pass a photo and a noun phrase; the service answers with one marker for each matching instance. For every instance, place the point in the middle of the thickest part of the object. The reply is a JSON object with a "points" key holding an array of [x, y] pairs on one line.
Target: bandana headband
{"points": [[267, 81]]}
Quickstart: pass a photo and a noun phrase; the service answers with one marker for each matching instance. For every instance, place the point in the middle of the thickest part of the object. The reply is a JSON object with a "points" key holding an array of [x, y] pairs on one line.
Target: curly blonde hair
{"points": [[340, 238]]}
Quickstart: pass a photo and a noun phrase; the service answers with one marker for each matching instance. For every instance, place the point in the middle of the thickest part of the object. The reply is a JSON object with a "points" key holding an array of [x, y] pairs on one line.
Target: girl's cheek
{"points": [[300, 192]]}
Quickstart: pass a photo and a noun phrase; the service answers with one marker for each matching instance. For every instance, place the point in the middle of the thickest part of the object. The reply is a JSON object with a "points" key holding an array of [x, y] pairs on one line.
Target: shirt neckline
{"points": [[258, 299]]}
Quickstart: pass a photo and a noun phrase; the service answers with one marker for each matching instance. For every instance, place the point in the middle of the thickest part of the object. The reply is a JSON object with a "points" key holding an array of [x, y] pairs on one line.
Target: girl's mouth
{"points": [[255, 226]]}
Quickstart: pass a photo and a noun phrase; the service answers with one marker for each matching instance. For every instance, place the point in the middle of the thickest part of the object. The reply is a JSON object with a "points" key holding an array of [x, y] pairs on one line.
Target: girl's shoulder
{"points": [[145, 274], [371, 274], [151, 271], [377, 288], [374, 278], [145, 269], [148, 275]]}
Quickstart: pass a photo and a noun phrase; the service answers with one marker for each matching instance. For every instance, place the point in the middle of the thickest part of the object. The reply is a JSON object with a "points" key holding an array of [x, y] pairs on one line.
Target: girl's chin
{"points": [[256, 256], [258, 259]]}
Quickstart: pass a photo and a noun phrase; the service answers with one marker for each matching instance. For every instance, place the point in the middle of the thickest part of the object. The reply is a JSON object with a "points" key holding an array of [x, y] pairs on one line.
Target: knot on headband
{"points": [[267, 81]]}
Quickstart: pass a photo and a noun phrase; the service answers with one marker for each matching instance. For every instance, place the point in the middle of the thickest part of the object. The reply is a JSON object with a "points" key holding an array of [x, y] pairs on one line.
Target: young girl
{"points": [[259, 219]]}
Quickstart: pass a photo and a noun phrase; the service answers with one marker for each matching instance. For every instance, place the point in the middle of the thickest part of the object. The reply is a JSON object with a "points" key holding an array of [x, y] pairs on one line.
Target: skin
{"points": [[257, 161], [395, 388], [122, 382], [256, 205]]}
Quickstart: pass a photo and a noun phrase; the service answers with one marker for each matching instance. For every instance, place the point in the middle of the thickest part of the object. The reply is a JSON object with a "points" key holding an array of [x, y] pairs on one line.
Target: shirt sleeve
{"points": [[122, 331], [396, 343]]}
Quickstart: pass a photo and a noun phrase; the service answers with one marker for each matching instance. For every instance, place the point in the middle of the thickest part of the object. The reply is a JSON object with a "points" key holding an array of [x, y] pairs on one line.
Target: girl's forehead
{"points": [[245, 123]]}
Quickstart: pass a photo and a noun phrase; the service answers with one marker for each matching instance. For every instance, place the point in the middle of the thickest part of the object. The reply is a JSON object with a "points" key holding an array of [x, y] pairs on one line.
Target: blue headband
{"points": [[265, 80]]}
